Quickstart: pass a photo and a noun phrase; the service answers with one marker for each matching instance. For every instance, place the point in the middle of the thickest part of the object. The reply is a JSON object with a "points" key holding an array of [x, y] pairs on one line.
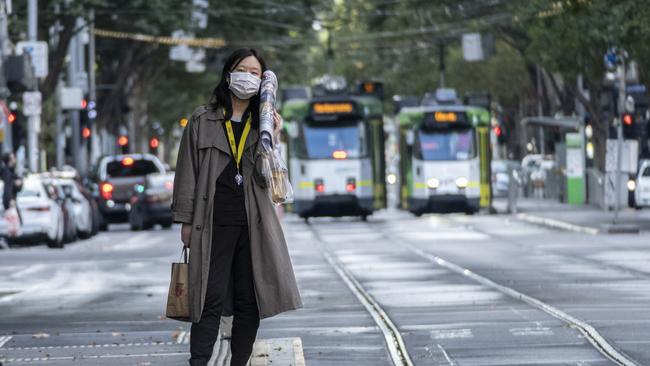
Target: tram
{"points": [[335, 149], [444, 160]]}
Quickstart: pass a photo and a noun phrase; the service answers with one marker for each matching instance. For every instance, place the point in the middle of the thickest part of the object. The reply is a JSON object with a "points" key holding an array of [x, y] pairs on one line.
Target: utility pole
{"points": [[92, 91], [441, 61], [619, 131], [34, 122], [77, 78], [540, 110], [5, 10]]}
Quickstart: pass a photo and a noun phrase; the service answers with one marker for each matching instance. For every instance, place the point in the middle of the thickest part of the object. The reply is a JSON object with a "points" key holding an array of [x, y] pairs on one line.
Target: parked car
{"points": [[55, 191], [115, 180], [42, 217], [83, 211], [151, 202], [642, 189]]}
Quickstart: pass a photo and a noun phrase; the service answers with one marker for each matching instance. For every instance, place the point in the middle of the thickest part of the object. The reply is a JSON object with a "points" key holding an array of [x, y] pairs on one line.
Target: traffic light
{"points": [[85, 132], [154, 142], [500, 134], [123, 143], [628, 126], [12, 117]]}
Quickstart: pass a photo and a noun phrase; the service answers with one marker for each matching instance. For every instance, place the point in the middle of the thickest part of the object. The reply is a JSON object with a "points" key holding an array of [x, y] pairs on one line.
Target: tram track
{"points": [[587, 330], [394, 342]]}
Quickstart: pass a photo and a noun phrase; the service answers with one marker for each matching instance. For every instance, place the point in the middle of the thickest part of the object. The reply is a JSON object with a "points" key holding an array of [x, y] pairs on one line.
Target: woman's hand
{"points": [[277, 123], [186, 233]]}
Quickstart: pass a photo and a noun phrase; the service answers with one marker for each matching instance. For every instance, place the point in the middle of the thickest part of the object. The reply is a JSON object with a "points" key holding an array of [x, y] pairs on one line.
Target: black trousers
{"points": [[231, 271]]}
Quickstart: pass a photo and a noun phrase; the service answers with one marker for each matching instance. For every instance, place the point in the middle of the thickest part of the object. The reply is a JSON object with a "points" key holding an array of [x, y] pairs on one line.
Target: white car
{"points": [[42, 217], [642, 189], [82, 209]]}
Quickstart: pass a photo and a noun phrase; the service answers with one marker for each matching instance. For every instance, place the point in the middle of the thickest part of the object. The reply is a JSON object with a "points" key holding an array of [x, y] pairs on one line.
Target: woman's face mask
{"points": [[244, 84]]}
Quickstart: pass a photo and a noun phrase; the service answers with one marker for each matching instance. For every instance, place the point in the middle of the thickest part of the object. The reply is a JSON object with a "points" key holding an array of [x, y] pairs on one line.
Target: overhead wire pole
{"points": [[35, 120], [92, 90]]}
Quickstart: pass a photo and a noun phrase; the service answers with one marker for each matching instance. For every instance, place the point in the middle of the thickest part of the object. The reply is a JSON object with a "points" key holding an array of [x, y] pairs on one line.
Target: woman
{"points": [[239, 260]]}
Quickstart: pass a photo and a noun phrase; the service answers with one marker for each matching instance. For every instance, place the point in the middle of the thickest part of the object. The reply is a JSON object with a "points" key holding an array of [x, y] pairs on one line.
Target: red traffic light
{"points": [[84, 104], [122, 140], [85, 132], [627, 119], [154, 142], [12, 117], [498, 131]]}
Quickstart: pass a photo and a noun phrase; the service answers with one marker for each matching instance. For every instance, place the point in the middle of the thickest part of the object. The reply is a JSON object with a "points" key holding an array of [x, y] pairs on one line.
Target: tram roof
{"points": [[298, 109], [414, 116]]}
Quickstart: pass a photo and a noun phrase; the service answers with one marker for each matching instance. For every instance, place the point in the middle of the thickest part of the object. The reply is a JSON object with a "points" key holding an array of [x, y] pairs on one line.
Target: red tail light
{"points": [[40, 209], [350, 187], [319, 186], [106, 191]]}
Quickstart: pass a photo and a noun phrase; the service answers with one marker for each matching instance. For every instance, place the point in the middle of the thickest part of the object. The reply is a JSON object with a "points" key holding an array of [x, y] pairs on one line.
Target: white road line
{"points": [[393, 338], [594, 337], [444, 353], [4, 340]]}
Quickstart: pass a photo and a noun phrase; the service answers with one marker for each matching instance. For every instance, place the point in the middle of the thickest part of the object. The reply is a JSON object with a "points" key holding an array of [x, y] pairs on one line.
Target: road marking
{"points": [[451, 333], [444, 353], [4, 340], [150, 344], [393, 338], [592, 335]]}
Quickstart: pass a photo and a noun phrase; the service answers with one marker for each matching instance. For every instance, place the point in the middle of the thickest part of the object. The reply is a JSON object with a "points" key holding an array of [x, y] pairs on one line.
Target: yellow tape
{"points": [[192, 42]]}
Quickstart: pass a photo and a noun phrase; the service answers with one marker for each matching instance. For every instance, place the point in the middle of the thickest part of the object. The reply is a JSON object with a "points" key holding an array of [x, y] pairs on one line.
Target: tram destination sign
{"points": [[332, 108], [442, 118]]}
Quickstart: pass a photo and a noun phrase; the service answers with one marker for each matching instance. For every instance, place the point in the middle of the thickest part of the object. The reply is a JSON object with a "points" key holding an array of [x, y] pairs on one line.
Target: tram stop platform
{"points": [[586, 219]]}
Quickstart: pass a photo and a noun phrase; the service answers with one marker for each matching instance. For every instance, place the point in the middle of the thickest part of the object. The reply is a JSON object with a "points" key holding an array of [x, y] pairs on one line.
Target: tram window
{"points": [[446, 145], [322, 142]]}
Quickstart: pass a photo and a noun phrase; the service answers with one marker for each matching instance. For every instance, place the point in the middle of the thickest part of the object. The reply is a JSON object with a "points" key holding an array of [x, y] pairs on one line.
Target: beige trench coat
{"points": [[204, 153]]}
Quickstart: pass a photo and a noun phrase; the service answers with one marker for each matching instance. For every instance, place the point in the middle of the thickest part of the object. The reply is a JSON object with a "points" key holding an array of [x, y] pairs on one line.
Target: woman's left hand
{"points": [[277, 123]]}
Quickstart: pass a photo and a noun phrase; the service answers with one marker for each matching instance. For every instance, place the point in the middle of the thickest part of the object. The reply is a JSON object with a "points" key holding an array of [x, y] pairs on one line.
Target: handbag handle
{"points": [[184, 254]]}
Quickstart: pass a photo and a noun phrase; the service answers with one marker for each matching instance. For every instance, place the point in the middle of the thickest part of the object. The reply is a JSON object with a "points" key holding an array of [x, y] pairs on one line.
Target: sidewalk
{"points": [[579, 218]]}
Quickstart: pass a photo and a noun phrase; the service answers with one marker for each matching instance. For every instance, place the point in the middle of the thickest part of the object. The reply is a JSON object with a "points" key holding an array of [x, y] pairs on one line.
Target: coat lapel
{"points": [[220, 141]]}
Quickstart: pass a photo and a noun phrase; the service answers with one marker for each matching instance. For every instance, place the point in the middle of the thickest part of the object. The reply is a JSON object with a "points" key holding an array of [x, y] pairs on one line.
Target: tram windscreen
{"points": [[447, 145], [328, 142]]}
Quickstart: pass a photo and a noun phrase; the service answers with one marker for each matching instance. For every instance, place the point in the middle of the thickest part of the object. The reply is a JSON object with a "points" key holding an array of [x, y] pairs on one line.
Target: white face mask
{"points": [[244, 84]]}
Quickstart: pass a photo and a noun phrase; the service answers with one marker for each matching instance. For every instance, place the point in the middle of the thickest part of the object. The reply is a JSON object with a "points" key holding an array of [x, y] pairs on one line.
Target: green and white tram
{"points": [[444, 159], [336, 155]]}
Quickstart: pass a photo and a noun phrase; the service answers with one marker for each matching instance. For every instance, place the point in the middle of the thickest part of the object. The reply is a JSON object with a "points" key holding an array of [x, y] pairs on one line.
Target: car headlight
{"points": [[433, 183], [461, 182], [631, 185]]}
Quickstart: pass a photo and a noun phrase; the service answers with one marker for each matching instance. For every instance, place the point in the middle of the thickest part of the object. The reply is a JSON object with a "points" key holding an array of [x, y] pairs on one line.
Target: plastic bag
{"points": [[12, 218], [276, 174]]}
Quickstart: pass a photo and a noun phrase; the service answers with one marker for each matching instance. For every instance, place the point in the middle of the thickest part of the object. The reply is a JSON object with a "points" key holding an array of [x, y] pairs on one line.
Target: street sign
{"points": [[38, 52], [71, 98], [629, 159], [472, 48], [32, 103]]}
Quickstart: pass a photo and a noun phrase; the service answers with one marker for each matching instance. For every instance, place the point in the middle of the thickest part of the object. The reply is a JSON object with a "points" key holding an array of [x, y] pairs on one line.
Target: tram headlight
{"points": [[433, 183], [631, 185], [461, 182]]}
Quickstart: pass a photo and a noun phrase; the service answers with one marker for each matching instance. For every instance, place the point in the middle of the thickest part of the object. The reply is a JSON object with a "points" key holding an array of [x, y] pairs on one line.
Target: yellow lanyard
{"points": [[238, 150]]}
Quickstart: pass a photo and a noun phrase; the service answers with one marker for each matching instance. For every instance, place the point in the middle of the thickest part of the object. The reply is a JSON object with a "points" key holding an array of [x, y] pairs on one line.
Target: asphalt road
{"points": [[101, 301]]}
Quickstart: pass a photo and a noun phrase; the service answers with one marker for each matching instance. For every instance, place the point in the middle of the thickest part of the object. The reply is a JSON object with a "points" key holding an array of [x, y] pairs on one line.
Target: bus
{"points": [[444, 160], [335, 150]]}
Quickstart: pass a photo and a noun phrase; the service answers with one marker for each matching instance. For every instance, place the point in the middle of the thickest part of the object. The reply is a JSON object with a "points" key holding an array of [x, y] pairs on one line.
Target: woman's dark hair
{"points": [[6, 157], [221, 94]]}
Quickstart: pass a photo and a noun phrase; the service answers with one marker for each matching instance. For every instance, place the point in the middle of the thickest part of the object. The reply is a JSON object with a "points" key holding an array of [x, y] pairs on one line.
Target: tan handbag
{"points": [[178, 300]]}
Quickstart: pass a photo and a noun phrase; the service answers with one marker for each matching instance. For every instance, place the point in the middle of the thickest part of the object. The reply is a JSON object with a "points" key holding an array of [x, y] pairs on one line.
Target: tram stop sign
{"points": [[37, 50], [32, 103]]}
